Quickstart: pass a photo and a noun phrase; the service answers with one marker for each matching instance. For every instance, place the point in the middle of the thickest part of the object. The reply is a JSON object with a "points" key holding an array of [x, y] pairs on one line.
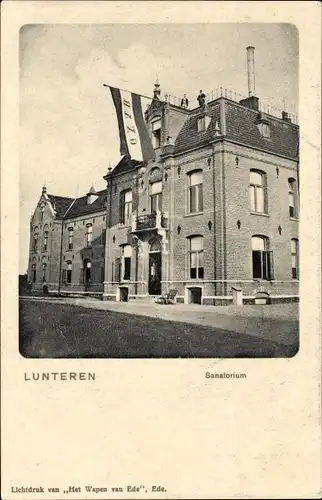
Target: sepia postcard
{"points": [[160, 242]]}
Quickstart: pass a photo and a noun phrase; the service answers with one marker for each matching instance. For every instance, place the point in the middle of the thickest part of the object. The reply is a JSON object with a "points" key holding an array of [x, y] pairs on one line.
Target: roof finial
{"points": [[44, 189], [156, 91]]}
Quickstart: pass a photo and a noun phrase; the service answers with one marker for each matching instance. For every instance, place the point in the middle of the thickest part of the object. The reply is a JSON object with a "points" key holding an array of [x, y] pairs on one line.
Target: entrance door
{"points": [[155, 273]]}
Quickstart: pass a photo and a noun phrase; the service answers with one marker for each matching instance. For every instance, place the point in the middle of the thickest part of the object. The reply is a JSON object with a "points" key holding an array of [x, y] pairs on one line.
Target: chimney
{"points": [[285, 117], [251, 101], [251, 70]]}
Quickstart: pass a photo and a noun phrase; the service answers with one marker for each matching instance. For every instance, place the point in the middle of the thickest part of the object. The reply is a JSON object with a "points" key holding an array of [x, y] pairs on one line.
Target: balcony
{"points": [[148, 222]]}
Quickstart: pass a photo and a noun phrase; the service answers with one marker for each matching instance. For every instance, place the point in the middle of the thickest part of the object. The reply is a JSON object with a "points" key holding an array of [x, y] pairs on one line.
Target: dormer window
{"points": [[263, 125], [202, 123], [156, 133], [264, 129], [91, 196]]}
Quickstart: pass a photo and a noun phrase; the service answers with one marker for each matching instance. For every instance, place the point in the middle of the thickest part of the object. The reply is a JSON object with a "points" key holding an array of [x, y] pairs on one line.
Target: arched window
{"points": [[70, 238], [257, 192], [195, 188], [295, 258], [155, 197], [155, 245], [89, 234], [262, 256], [125, 212], [35, 240], [196, 269], [292, 198], [34, 271], [46, 232], [44, 270]]}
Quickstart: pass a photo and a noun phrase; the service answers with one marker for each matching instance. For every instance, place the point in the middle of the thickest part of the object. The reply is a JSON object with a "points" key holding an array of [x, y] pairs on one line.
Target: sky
{"points": [[68, 127]]}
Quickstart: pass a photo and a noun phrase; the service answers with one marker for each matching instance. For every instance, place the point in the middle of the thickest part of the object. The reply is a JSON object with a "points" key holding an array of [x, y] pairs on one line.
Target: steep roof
{"points": [[241, 126], [125, 165], [189, 137], [80, 206], [60, 204]]}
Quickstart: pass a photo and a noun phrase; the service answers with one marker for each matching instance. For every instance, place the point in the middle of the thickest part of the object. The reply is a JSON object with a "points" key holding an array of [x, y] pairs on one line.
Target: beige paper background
{"points": [[160, 422]]}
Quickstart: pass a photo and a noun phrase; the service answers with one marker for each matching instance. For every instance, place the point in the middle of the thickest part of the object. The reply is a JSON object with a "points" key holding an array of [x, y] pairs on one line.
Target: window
{"points": [[292, 202], [195, 192], [196, 269], [263, 266], [201, 124], [156, 134], [44, 270], [264, 130], [295, 258], [155, 197], [126, 262], [87, 271], [257, 192], [69, 272], [125, 207], [89, 234], [70, 238], [46, 239], [34, 273], [35, 242]]}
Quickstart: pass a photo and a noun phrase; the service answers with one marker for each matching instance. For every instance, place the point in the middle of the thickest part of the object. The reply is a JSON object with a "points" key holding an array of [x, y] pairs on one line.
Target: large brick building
{"points": [[216, 210]]}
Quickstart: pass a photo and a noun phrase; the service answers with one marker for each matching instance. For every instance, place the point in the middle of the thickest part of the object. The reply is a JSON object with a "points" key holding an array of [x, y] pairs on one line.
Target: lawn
{"points": [[49, 330]]}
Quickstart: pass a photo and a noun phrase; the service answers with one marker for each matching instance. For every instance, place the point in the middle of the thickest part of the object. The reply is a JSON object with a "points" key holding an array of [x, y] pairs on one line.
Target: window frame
{"points": [[199, 256], [255, 188], [296, 275], [87, 275], [155, 198], [44, 270], [126, 263], [46, 237], [266, 258], [125, 219], [35, 240], [69, 272], [156, 133], [70, 243], [34, 272], [89, 234], [292, 192], [197, 189]]}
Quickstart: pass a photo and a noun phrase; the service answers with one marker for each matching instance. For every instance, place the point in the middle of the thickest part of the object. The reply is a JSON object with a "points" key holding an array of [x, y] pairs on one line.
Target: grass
{"points": [[67, 331]]}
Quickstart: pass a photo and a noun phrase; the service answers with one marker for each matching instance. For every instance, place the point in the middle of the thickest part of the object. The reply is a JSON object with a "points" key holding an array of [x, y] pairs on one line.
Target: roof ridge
{"points": [[59, 196]]}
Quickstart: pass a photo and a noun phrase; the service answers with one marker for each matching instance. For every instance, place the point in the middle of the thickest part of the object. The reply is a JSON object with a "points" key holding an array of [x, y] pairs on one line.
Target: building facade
{"points": [[67, 243], [217, 210]]}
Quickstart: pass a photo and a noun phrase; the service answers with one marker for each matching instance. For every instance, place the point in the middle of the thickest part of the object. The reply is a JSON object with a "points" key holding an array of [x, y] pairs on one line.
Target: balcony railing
{"points": [[145, 222], [265, 105]]}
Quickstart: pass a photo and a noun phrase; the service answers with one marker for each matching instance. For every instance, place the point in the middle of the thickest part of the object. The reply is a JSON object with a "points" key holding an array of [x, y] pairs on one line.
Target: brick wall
{"points": [[237, 204], [80, 251]]}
